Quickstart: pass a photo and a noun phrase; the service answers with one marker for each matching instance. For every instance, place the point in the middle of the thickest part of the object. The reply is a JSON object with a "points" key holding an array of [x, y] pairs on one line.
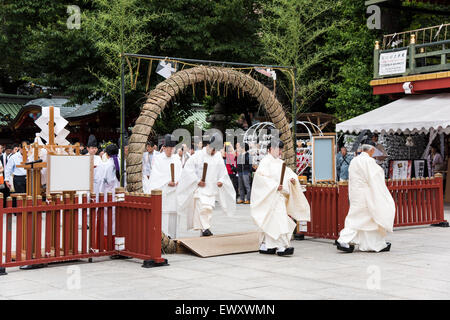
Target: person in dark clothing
{"points": [[3, 187], [244, 170]]}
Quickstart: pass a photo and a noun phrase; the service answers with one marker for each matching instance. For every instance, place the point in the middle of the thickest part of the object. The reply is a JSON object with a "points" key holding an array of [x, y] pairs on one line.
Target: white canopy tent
{"points": [[412, 114]]}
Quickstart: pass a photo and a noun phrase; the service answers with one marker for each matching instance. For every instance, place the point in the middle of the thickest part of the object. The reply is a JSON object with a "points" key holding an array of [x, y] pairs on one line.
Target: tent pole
{"points": [[122, 121]]}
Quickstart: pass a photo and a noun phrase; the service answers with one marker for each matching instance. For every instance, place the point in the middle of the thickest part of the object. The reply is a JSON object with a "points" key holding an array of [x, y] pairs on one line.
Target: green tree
{"points": [[210, 30], [116, 27], [351, 90], [294, 33]]}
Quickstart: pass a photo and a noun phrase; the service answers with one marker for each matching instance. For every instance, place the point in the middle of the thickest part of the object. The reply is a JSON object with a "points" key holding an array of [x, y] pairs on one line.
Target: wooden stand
{"points": [[34, 174]]}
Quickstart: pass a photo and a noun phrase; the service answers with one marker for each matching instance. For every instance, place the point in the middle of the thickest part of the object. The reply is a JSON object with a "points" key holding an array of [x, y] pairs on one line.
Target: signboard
{"points": [[393, 62], [419, 168], [70, 173], [323, 159], [400, 169]]}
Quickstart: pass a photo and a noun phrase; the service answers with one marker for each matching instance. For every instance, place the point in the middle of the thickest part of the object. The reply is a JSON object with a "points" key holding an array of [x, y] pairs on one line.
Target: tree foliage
{"points": [[326, 40], [294, 33]]}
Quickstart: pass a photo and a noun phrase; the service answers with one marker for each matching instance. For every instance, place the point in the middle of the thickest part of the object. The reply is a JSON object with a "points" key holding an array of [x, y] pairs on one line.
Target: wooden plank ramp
{"points": [[217, 245]]}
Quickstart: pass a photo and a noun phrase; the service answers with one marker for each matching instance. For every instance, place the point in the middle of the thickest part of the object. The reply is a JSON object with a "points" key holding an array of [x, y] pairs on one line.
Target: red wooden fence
{"points": [[417, 202], [53, 232]]}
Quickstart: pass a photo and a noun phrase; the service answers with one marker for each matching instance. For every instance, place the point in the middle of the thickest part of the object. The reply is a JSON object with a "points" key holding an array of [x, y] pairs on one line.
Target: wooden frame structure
{"points": [[333, 152]]}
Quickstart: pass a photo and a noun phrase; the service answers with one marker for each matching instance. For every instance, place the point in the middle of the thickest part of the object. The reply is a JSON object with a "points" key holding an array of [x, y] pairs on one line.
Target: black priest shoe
{"points": [[387, 248], [347, 250], [287, 252], [268, 251], [206, 233]]}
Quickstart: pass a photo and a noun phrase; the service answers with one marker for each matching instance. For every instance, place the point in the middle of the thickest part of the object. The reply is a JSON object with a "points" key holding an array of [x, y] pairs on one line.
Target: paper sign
{"points": [[400, 169], [165, 69], [393, 62], [120, 243]]}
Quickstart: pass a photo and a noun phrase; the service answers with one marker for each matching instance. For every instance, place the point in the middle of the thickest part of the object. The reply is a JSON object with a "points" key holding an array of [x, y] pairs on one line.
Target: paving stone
{"points": [[416, 268]]}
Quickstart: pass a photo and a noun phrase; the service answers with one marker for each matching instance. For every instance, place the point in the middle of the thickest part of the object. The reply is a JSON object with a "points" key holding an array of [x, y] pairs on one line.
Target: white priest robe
{"points": [[197, 203], [270, 208], [98, 172], [108, 184], [372, 209], [147, 166], [161, 176]]}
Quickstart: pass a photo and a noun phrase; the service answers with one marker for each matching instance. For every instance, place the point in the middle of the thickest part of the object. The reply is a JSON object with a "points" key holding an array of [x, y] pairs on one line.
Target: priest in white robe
{"points": [[274, 206], [92, 149], [110, 180], [147, 163], [372, 209], [196, 199], [162, 180]]}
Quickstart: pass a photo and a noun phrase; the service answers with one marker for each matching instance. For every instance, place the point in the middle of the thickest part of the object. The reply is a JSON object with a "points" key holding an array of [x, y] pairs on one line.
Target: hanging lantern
{"points": [[409, 142]]}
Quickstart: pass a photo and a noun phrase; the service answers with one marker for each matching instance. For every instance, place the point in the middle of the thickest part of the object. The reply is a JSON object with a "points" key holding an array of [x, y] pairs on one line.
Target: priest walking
{"points": [[165, 175], [372, 209], [204, 180], [273, 205]]}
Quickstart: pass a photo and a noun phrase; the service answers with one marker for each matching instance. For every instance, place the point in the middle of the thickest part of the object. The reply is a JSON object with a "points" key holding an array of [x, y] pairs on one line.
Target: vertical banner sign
{"points": [[393, 62], [419, 168]]}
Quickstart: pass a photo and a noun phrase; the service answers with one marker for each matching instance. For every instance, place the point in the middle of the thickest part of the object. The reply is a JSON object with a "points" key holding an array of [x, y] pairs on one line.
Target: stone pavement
{"points": [[416, 268]]}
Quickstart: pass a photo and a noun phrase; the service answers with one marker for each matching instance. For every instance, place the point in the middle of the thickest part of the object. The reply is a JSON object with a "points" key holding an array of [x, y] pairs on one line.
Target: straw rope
{"points": [[164, 92]]}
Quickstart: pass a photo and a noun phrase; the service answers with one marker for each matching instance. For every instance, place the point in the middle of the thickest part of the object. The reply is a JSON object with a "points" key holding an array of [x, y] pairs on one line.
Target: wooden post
{"points": [[376, 59], [205, 169], [51, 127], [412, 54], [283, 170], [440, 200]]}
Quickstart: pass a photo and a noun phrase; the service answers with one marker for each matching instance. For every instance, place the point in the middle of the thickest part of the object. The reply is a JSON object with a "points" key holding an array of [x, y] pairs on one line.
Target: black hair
{"points": [[112, 150], [208, 141], [150, 143], [275, 143]]}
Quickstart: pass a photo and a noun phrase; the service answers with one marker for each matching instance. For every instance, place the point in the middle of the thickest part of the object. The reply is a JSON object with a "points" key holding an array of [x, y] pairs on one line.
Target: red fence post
{"points": [[109, 230], [38, 239], [440, 202], [84, 225], [154, 230], [8, 230], [2, 269], [20, 219], [299, 235], [92, 224], [334, 212]]}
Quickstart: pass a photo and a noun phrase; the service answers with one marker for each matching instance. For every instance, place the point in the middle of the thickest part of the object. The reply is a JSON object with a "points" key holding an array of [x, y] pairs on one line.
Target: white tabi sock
{"points": [[263, 247], [345, 245], [281, 249]]}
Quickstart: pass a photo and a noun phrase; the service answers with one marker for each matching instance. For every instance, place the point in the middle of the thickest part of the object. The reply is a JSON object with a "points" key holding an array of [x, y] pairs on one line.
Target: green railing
{"points": [[421, 58]]}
